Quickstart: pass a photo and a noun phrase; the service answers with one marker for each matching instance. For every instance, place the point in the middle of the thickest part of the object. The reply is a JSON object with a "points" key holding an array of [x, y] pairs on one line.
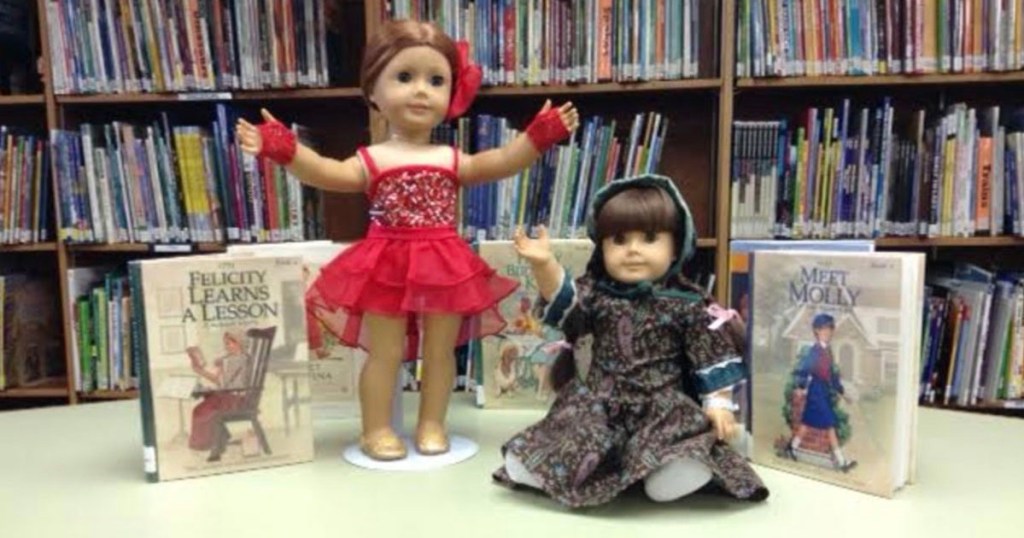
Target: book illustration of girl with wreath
{"points": [[811, 404]]}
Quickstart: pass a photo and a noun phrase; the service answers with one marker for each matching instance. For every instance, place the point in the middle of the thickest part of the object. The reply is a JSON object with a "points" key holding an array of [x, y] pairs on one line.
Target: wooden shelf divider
{"points": [[49, 246], [881, 80], [22, 100], [216, 95], [109, 395], [605, 87], [35, 392], [156, 248]]}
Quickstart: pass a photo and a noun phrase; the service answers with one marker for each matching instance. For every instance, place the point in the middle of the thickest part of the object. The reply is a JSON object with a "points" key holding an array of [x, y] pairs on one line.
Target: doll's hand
{"points": [[723, 421], [536, 251], [271, 139], [551, 126], [248, 135]]}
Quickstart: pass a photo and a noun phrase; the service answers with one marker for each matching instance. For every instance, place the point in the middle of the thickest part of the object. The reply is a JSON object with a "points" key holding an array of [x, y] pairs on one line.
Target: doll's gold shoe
{"points": [[431, 440], [383, 445]]}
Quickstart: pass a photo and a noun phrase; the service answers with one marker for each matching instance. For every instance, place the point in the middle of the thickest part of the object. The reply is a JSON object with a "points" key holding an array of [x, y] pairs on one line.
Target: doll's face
{"points": [[413, 90], [636, 256]]}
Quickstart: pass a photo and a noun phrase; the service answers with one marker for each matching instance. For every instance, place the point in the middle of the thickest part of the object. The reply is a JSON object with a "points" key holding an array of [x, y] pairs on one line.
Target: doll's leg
{"points": [[440, 332], [377, 385], [518, 473], [676, 479]]}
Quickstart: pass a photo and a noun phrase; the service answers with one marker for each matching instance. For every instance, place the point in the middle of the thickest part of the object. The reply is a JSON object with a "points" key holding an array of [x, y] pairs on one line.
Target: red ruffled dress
{"points": [[411, 262]]}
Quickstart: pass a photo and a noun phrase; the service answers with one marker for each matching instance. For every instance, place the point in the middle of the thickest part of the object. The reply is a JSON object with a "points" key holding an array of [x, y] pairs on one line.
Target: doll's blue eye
{"points": [[404, 76], [437, 80]]}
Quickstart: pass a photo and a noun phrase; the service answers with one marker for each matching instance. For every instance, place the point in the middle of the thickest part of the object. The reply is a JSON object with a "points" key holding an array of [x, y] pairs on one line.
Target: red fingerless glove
{"points": [[279, 144], [546, 130]]}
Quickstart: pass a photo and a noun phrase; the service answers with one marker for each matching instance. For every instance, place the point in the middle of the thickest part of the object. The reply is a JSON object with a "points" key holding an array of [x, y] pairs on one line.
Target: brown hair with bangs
{"points": [[393, 37], [646, 209]]}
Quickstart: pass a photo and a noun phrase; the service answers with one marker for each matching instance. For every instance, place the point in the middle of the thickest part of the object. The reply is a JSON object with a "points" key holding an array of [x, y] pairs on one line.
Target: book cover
{"points": [[740, 252], [835, 344], [221, 341], [30, 325], [334, 368], [514, 365]]}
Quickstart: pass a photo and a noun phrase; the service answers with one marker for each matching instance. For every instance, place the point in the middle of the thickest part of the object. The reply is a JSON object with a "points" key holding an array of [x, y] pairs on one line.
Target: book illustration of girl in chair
{"points": [[229, 371]]}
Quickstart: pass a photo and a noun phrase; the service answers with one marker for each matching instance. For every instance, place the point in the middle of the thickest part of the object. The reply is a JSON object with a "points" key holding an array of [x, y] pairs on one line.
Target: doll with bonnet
{"points": [[655, 405]]}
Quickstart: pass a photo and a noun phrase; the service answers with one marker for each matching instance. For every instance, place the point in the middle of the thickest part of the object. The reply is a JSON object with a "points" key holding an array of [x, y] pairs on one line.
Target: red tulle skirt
{"points": [[408, 272]]}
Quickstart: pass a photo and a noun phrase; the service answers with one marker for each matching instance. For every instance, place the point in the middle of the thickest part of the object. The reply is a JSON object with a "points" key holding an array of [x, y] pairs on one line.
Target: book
{"points": [[334, 368], [835, 350], [514, 365], [740, 252], [30, 324], [233, 328]]}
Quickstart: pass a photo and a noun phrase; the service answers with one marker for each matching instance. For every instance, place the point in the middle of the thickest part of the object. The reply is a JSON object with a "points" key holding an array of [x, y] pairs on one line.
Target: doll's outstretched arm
{"points": [[272, 139], [546, 270], [550, 126]]}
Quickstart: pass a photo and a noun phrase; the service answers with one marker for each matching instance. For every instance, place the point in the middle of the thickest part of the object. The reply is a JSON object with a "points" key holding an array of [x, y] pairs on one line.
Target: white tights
{"points": [[674, 480]]}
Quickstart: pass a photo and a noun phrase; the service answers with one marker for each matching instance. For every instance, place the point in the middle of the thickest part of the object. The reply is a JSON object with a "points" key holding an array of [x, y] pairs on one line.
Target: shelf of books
{"points": [[164, 177], [875, 131], [862, 38], [626, 79], [867, 129]]}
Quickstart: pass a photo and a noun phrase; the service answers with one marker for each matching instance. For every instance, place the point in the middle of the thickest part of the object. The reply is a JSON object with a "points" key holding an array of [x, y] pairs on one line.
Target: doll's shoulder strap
{"points": [[371, 166]]}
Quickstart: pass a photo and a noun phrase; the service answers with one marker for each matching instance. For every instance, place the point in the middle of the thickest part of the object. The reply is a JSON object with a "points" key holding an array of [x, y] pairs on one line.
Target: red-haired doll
{"points": [[412, 266]]}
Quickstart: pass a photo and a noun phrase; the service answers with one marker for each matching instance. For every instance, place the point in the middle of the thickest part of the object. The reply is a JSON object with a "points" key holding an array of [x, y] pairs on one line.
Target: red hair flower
{"points": [[467, 78]]}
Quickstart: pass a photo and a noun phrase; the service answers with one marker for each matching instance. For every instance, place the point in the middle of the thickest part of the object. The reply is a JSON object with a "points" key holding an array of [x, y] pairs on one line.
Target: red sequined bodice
{"points": [[419, 196], [413, 196]]}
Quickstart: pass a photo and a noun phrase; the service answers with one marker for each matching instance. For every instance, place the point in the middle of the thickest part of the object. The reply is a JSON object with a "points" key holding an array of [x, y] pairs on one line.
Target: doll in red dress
{"points": [[412, 272]]}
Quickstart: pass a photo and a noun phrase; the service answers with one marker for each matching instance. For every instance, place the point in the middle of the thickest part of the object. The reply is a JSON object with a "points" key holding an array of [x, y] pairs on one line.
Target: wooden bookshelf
{"points": [[29, 247], [701, 110], [775, 98], [184, 248], [298, 93], [201, 96], [22, 100], [697, 122], [609, 87], [35, 392], [979, 241], [109, 395], [851, 81], [987, 409]]}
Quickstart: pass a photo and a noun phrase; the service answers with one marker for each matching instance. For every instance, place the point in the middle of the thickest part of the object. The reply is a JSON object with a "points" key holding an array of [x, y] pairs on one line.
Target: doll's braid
{"points": [[563, 370]]}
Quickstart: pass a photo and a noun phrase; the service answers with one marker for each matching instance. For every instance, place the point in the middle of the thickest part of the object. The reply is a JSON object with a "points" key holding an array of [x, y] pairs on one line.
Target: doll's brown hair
{"points": [[393, 37], [647, 209]]}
